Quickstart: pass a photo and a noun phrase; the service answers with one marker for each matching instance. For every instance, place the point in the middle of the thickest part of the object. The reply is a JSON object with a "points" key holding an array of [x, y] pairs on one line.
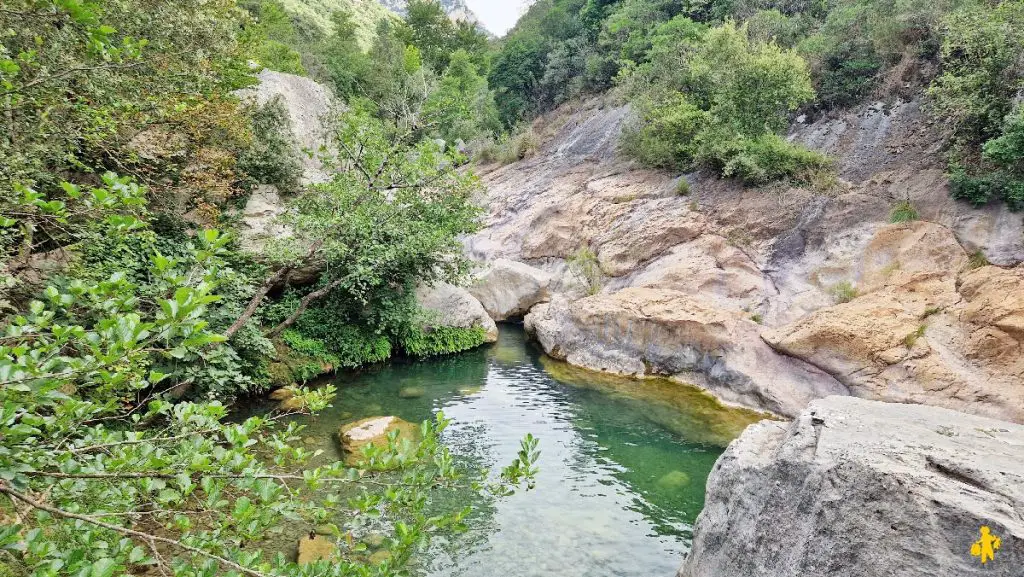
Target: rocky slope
{"points": [[744, 291], [864, 489]]}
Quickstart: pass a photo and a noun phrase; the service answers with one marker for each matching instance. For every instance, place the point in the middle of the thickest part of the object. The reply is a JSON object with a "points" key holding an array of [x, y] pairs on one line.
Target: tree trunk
{"points": [[268, 285], [303, 305]]}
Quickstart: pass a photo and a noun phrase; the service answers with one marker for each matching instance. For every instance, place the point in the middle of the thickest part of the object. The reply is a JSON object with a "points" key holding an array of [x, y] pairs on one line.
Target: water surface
{"points": [[622, 471]]}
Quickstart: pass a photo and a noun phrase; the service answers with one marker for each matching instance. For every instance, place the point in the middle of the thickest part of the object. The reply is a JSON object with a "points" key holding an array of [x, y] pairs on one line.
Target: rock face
{"points": [[454, 307], [856, 488], [309, 105], [645, 331], [375, 430], [730, 286], [509, 289]]}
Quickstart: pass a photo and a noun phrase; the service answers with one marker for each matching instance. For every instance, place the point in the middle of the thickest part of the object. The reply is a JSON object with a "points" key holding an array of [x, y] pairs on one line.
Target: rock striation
{"points": [[857, 488]]}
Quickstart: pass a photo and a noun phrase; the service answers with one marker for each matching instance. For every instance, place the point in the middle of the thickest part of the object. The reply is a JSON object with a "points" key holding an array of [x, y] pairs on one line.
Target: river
{"points": [[622, 472]]}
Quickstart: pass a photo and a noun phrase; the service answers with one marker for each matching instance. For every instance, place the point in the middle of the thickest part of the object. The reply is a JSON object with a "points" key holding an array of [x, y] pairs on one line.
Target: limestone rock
{"points": [[509, 289], [644, 331], [857, 488], [315, 548], [456, 307], [375, 430], [914, 337], [308, 104]]}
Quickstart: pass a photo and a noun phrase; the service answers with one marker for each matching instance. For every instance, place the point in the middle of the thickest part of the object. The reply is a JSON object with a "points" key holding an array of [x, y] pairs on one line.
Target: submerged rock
{"points": [[412, 392], [857, 488], [282, 394], [455, 307], [316, 548], [674, 480], [509, 289], [375, 430]]}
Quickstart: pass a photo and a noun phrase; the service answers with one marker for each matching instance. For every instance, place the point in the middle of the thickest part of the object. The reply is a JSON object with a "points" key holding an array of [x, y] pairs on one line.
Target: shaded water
{"points": [[622, 471]]}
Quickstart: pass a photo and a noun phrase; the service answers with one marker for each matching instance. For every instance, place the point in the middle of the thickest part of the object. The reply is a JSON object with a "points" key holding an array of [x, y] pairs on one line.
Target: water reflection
{"points": [[623, 464]]}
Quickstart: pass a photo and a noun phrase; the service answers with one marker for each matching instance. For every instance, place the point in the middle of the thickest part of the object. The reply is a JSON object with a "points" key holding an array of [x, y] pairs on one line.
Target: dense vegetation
{"points": [[688, 67], [132, 318]]}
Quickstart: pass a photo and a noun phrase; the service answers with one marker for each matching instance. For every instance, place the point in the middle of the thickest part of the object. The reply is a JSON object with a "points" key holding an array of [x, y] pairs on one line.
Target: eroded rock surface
{"points": [[509, 289], [646, 331], [856, 488], [647, 281]]}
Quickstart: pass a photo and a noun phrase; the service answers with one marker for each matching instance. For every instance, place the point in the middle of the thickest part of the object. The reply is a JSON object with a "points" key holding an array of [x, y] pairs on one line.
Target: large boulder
{"points": [[456, 307], [647, 331], [309, 106], [509, 289], [374, 430], [857, 488]]}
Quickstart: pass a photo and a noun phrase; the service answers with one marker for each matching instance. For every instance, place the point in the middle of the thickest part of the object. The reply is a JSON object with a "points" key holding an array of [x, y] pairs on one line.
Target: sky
{"points": [[498, 15]]}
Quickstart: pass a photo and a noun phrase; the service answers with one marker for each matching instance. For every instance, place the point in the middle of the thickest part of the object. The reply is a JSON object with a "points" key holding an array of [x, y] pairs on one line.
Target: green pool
{"points": [[623, 468]]}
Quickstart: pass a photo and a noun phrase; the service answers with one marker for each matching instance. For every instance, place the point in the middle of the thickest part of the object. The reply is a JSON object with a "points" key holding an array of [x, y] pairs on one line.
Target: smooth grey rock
{"points": [[454, 307], [509, 289], [857, 488]]}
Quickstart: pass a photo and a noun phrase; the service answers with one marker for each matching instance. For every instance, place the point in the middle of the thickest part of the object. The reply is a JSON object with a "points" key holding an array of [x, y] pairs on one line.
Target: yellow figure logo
{"points": [[987, 546]]}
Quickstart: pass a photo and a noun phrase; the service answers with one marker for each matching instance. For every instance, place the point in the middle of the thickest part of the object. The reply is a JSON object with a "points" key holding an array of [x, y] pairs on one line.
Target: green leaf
{"points": [[104, 567]]}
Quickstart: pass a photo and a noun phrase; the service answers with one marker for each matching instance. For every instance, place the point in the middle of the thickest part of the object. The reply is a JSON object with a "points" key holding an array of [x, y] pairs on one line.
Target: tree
{"points": [[462, 107], [101, 475], [348, 66], [393, 214]]}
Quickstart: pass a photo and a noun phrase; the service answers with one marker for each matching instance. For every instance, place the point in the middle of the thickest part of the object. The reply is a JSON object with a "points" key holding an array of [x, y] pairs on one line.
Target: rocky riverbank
{"points": [[773, 297]]}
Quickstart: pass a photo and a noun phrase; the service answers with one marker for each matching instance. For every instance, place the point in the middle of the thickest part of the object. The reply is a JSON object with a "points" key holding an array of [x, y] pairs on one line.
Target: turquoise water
{"points": [[622, 471]]}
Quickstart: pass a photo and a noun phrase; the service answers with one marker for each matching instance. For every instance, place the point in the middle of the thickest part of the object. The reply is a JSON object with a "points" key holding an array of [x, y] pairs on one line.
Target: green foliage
{"points": [[79, 79], [586, 268], [903, 212], [913, 337], [843, 292], [977, 260], [508, 149], [683, 188], [462, 107], [437, 37], [271, 158], [441, 340], [719, 100]]}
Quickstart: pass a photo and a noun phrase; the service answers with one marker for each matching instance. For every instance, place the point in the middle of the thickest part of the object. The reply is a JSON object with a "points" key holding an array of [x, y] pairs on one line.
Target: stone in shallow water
{"points": [[355, 436], [412, 392], [674, 480], [316, 548]]}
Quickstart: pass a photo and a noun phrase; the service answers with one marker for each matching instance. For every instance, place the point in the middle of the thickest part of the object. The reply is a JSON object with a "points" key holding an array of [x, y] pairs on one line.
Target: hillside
{"points": [[457, 9], [365, 13]]}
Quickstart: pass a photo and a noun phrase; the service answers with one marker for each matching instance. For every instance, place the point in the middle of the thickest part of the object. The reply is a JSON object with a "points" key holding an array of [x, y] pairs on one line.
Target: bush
{"points": [[437, 341], [584, 265], [843, 292], [903, 212], [272, 158], [683, 188], [722, 104], [765, 159]]}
